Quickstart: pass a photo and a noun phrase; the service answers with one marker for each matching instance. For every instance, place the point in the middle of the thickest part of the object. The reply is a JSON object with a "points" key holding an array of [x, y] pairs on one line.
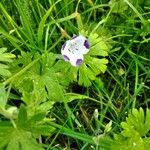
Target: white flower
{"points": [[74, 49]]}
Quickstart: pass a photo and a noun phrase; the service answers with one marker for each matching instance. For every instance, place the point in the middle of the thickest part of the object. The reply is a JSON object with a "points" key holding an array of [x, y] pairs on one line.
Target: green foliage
{"points": [[23, 132], [135, 131], [39, 84], [7, 111], [5, 58], [137, 121], [26, 21], [119, 6], [82, 101], [3, 96]]}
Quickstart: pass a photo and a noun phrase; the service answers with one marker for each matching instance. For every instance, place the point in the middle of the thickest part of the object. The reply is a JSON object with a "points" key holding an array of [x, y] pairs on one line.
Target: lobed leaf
{"points": [[134, 134], [39, 83]]}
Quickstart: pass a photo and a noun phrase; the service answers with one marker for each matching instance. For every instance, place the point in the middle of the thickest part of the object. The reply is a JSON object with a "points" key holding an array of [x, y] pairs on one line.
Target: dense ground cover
{"points": [[46, 103]]}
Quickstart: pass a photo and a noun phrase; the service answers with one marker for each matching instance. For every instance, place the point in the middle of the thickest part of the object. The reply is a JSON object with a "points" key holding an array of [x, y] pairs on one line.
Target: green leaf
{"points": [[146, 143], [23, 135], [118, 6], [73, 96], [43, 20], [26, 20], [37, 117], [137, 121], [98, 46], [36, 124], [134, 134], [5, 132], [28, 142], [4, 70], [13, 40], [39, 83], [22, 116], [99, 83], [3, 96], [66, 71], [4, 58], [85, 76], [55, 92], [13, 145], [97, 65], [47, 105], [42, 129]]}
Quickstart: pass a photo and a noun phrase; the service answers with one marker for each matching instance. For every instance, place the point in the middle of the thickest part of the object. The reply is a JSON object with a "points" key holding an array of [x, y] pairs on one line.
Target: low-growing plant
{"points": [[48, 101], [135, 133]]}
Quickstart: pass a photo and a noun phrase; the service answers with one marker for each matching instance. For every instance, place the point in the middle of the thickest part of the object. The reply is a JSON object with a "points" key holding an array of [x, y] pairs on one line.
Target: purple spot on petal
{"points": [[66, 57], [63, 46], [86, 44], [79, 62], [75, 36]]}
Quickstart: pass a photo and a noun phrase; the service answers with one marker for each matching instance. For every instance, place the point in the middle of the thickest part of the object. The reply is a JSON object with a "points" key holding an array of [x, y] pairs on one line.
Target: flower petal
{"points": [[74, 36], [79, 62], [66, 58], [74, 49], [75, 60], [63, 46], [86, 44]]}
